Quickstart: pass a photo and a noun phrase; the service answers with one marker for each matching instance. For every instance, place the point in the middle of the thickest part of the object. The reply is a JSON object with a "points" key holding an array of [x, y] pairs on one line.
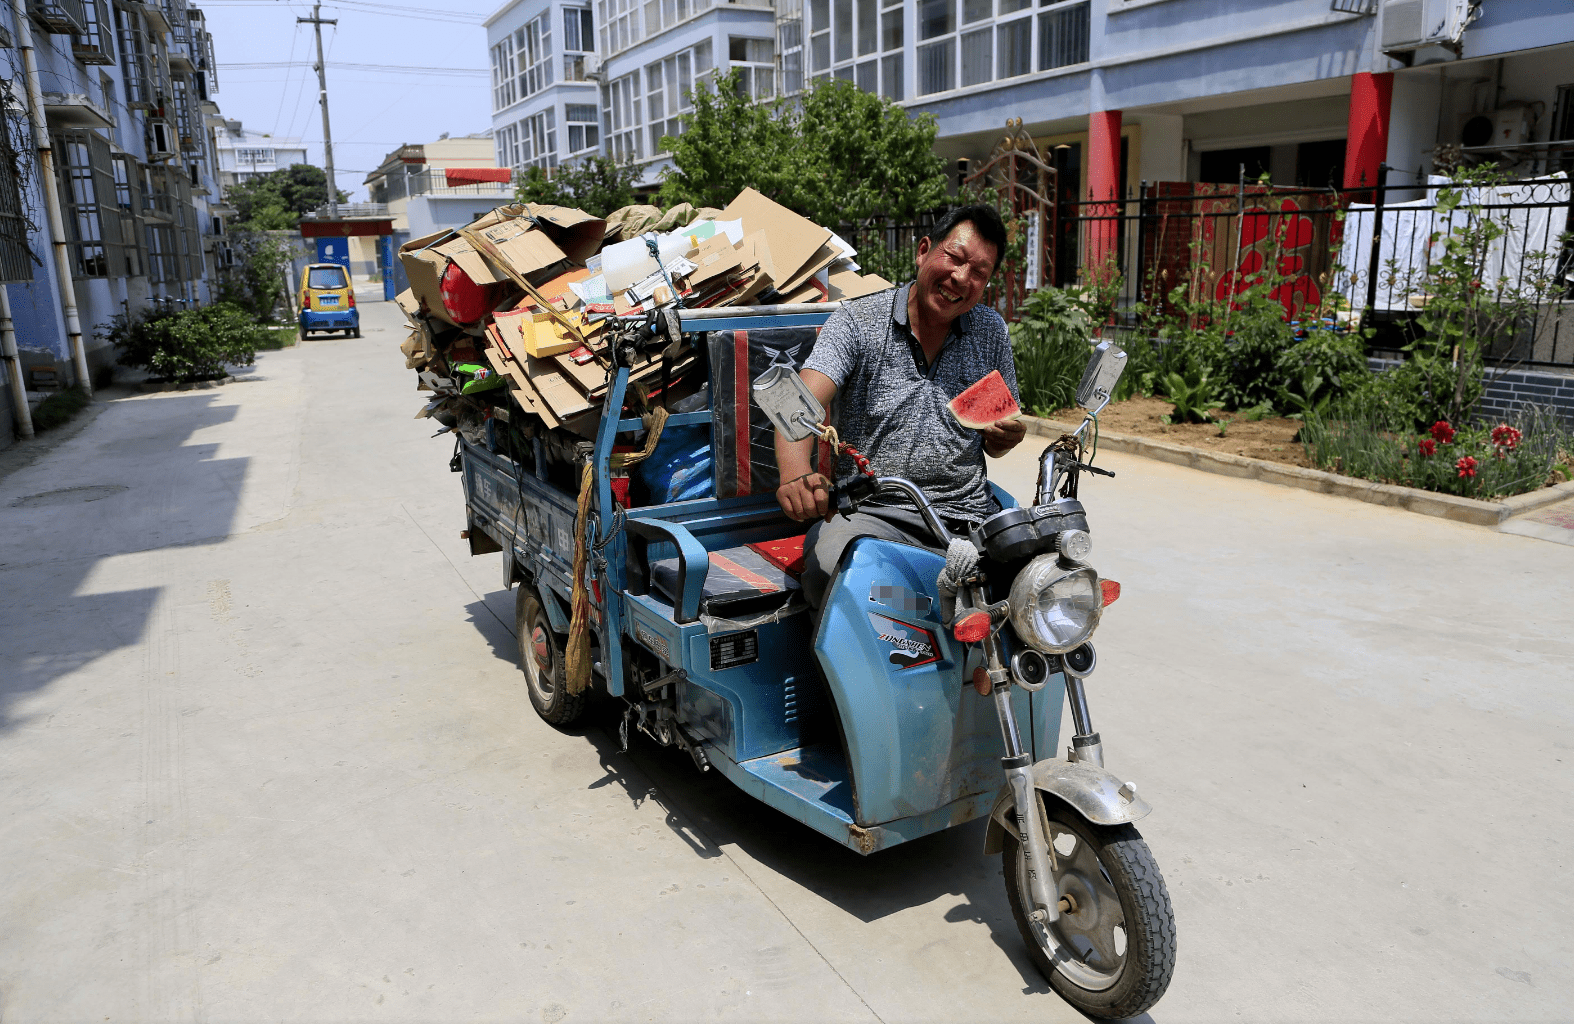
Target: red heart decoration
{"points": [[1296, 232], [1254, 228]]}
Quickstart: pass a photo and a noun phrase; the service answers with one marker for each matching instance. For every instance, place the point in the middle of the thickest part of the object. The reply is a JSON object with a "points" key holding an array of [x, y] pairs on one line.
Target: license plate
{"points": [[330, 300]]}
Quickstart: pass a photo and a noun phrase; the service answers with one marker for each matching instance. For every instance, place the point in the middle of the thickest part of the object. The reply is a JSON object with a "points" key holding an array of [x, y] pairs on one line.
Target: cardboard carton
{"points": [[794, 240]]}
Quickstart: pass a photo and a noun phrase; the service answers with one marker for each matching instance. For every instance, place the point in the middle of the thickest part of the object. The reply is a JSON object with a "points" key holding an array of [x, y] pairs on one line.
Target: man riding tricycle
{"points": [[859, 629]]}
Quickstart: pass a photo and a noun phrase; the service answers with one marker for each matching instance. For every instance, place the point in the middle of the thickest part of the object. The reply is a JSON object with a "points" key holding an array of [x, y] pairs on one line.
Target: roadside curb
{"points": [[195, 385], [1412, 499]]}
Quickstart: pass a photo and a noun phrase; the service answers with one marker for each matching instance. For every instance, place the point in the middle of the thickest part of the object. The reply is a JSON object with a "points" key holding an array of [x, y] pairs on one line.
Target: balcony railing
{"points": [[434, 182]]}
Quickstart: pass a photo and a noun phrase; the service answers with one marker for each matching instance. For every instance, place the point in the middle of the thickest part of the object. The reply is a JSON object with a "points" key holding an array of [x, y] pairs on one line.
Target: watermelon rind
{"points": [[987, 403]]}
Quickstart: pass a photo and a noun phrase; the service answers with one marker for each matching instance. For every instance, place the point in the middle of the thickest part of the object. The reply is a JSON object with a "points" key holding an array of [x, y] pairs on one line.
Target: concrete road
{"points": [[265, 754]]}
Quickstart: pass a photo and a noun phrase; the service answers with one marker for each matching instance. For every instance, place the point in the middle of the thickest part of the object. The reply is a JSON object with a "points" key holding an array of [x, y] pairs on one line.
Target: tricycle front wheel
{"points": [[542, 656], [1112, 952]]}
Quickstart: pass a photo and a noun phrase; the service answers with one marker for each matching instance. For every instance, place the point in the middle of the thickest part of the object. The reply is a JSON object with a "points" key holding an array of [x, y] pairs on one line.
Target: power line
{"points": [[386, 10], [347, 66]]}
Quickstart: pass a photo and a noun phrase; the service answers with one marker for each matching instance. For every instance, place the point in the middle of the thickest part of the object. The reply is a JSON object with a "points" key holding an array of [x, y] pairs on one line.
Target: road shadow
{"points": [[147, 489]]}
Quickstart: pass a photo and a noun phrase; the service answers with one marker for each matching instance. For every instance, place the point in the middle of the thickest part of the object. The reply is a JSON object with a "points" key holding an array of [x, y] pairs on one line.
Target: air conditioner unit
{"points": [[161, 140], [1509, 125], [1412, 24]]}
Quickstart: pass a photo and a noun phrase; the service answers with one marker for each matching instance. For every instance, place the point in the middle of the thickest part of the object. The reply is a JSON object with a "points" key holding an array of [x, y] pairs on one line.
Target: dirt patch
{"points": [[1269, 439]]}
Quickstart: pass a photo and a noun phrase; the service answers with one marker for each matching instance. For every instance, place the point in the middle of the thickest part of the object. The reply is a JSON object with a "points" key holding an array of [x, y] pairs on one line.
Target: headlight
{"points": [[1055, 607]]}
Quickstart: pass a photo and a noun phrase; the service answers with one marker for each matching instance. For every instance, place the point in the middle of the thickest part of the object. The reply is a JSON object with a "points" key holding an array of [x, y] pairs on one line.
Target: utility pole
{"points": [[317, 21]]}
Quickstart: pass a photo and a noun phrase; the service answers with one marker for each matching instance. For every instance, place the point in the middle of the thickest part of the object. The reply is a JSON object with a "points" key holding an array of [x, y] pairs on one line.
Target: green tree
{"points": [[595, 184], [276, 200], [837, 155]]}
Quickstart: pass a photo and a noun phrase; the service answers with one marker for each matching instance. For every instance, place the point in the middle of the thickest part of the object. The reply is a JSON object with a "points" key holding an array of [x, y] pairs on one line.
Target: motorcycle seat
{"points": [[740, 581]]}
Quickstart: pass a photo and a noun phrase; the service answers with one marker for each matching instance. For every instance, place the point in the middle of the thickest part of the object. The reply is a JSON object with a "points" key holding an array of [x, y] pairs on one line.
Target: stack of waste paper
{"points": [[512, 316]]}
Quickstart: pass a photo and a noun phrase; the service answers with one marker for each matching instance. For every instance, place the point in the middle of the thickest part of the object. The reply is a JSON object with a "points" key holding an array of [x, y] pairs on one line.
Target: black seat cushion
{"points": [[740, 582]]}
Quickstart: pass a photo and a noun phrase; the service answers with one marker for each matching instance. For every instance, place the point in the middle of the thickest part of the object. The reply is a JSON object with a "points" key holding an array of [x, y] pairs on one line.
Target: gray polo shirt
{"points": [[895, 413]]}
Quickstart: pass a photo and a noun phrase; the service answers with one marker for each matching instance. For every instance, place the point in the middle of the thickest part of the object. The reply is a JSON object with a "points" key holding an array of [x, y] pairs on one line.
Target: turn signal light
{"points": [[1111, 591], [971, 628]]}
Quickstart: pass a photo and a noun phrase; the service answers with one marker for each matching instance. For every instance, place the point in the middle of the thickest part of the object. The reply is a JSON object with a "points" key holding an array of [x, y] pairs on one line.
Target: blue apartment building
{"points": [[124, 94]]}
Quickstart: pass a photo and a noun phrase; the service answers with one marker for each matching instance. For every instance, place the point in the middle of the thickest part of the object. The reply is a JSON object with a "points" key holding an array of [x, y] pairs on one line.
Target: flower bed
{"points": [[1479, 461]]}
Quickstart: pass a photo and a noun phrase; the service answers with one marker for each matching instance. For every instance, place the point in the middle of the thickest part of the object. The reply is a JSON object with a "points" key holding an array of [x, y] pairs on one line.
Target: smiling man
{"points": [[892, 362]]}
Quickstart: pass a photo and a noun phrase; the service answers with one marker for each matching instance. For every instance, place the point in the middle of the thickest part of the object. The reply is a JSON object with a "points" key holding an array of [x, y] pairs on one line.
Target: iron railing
{"points": [[1358, 257]]}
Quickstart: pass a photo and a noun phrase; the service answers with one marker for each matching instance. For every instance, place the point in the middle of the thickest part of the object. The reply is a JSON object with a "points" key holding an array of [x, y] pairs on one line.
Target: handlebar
{"points": [[859, 488]]}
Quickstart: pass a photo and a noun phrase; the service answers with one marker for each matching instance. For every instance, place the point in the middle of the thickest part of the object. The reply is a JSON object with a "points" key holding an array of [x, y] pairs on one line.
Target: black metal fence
{"points": [[1359, 256]]}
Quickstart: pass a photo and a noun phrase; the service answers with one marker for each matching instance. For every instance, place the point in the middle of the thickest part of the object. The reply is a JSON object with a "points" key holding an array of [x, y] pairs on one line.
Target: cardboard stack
{"points": [[519, 302]]}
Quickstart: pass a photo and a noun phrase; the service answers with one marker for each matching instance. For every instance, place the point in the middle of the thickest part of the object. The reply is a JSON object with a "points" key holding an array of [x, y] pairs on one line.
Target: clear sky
{"points": [[374, 108]]}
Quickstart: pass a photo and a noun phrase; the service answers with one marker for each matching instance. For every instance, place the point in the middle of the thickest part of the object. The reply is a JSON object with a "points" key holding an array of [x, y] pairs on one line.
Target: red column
{"points": [[1366, 145], [1104, 190]]}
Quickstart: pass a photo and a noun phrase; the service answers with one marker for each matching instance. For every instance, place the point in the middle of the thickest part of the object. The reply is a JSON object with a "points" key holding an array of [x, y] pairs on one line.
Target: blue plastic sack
{"points": [[681, 468]]}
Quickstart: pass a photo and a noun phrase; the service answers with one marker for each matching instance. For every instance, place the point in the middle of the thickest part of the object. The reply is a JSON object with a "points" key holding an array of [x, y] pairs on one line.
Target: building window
{"points": [[754, 60], [538, 139], [584, 126], [1014, 40], [533, 55], [1063, 36], [621, 115], [578, 30], [503, 74], [819, 35], [506, 139], [789, 43], [620, 25], [252, 157]]}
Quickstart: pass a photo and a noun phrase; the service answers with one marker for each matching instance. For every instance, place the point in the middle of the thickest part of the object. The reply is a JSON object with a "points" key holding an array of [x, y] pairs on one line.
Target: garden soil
{"points": [[1269, 439]]}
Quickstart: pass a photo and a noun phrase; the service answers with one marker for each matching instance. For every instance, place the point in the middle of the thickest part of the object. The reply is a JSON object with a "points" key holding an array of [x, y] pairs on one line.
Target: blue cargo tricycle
{"points": [[920, 699]]}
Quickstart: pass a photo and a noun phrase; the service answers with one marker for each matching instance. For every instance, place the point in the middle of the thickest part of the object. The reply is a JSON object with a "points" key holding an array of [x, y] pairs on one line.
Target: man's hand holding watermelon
{"points": [[894, 362]]}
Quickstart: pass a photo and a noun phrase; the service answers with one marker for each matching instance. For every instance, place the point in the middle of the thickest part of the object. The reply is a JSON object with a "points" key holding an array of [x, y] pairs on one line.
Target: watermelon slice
{"points": [[985, 403]]}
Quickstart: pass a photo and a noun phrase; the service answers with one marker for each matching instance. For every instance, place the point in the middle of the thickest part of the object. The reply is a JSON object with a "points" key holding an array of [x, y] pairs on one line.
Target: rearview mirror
{"points": [[1102, 374], [782, 395]]}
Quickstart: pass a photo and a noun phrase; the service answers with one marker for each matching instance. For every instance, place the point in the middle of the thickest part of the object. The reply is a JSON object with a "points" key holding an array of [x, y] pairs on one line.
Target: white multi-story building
{"points": [[1308, 91], [126, 105], [545, 107], [243, 154]]}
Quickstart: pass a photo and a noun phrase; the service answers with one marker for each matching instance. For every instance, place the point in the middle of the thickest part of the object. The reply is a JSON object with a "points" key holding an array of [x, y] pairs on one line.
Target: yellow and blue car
{"points": [[328, 301]]}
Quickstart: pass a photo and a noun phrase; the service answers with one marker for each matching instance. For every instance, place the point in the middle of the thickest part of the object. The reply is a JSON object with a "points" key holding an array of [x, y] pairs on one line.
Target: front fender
{"points": [[1089, 790]]}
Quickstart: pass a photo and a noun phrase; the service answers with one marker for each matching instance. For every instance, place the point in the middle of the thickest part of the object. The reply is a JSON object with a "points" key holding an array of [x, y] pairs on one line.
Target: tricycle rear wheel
{"points": [[542, 656], [1112, 952]]}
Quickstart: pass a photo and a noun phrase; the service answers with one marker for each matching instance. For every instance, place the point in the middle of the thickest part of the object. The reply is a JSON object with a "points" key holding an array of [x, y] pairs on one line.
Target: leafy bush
{"points": [[1050, 346], [59, 407], [1482, 461], [1193, 394], [257, 283], [595, 184], [185, 345]]}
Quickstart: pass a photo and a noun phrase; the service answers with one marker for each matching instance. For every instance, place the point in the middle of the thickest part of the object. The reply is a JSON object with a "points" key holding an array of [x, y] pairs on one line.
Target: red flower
{"points": [[1427, 446], [1443, 432], [1505, 436], [1466, 466]]}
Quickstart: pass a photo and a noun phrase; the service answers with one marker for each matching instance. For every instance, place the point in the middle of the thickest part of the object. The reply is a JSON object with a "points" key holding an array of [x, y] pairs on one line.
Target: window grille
{"points": [[16, 257], [132, 38], [95, 43], [61, 17], [86, 180]]}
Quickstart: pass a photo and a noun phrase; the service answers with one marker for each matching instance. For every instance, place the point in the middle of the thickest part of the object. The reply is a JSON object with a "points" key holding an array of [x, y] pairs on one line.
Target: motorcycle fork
{"points": [[1085, 743], [1032, 829]]}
